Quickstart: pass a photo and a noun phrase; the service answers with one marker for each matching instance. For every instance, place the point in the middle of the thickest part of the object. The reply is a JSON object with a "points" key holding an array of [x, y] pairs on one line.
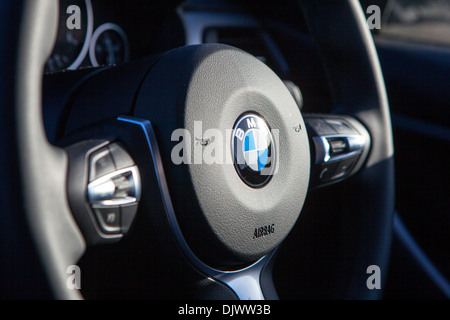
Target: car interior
{"points": [[225, 149]]}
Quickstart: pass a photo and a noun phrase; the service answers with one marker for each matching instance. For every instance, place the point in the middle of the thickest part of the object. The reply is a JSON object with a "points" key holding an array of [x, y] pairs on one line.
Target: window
{"points": [[424, 21]]}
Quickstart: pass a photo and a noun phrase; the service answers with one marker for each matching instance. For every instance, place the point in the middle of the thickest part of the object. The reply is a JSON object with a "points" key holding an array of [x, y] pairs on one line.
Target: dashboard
{"points": [[95, 33], [112, 32]]}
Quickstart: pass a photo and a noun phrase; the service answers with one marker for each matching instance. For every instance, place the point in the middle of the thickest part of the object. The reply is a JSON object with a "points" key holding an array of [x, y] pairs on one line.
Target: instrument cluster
{"points": [[94, 33]]}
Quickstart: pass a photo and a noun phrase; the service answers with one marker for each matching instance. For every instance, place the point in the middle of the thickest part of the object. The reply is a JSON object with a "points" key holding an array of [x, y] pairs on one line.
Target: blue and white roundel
{"points": [[254, 152], [255, 148]]}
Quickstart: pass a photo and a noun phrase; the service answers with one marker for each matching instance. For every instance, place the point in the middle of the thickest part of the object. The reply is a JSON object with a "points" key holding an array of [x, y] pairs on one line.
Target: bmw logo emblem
{"points": [[253, 150]]}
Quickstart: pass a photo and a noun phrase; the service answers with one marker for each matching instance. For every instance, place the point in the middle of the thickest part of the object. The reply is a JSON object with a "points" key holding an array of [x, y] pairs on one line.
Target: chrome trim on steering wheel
{"points": [[244, 282]]}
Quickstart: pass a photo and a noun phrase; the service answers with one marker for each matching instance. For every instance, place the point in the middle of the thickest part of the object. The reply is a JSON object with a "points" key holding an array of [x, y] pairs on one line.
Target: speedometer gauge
{"points": [[109, 45], [72, 44]]}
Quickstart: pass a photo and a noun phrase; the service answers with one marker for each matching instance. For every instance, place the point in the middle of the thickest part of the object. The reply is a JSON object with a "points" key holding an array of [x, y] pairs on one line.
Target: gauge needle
{"points": [[71, 39], [110, 49]]}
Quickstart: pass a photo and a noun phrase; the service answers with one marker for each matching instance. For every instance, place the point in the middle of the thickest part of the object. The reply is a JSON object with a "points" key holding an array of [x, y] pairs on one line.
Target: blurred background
{"points": [[414, 50]]}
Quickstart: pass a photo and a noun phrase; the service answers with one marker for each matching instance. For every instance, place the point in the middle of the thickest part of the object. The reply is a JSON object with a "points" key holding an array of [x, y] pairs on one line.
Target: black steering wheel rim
{"points": [[34, 32]]}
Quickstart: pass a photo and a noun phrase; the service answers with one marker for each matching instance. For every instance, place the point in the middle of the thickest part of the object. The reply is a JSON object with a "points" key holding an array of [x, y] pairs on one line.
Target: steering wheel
{"points": [[198, 158]]}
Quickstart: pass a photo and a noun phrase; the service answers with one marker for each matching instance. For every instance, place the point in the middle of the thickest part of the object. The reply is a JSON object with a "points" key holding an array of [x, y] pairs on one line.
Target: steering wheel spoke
{"points": [[339, 147]]}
